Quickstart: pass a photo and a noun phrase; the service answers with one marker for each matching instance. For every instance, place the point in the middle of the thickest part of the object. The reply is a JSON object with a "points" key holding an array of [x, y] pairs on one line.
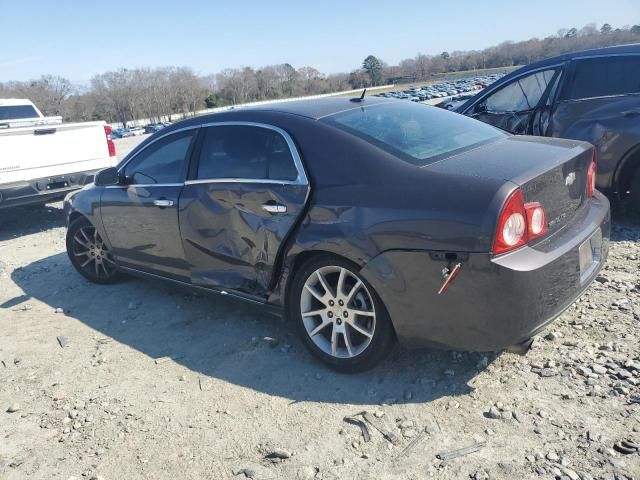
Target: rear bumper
{"points": [[43, 190], [494, 302]]}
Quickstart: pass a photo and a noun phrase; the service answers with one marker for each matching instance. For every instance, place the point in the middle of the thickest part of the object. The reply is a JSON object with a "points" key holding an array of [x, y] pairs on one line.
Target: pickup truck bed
{"points": [[42, 162]]}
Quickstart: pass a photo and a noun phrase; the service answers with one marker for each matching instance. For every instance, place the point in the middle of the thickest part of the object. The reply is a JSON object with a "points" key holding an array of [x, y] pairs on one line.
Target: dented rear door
{"points": [[246, 193]]}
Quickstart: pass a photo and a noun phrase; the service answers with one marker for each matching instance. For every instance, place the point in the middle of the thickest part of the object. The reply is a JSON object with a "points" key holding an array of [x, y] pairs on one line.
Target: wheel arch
{"points": [[292, 262], [75, 215], [295, 261]]}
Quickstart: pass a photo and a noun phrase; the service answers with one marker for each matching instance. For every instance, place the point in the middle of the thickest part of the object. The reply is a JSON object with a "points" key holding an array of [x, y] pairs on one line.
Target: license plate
{"points": [[56, 185], [586, 256], [589, 254]]}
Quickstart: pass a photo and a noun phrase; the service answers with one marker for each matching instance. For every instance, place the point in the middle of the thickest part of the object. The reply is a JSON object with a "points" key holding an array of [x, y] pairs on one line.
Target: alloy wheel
{"points": [[92, 254], [338, 312]]}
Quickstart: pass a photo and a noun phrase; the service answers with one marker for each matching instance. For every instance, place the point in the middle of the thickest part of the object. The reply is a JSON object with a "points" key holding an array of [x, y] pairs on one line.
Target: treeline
{"points": [[128, 94], [507, 54]]}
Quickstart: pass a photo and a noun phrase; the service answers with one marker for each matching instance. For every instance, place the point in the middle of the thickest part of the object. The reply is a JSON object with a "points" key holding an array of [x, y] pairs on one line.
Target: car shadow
{"points": [[246, 345], [625, 222], [21, 221]]}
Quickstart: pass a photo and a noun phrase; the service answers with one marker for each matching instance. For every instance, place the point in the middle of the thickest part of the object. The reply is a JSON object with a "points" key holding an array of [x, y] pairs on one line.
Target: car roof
{"points": [[594, 52], [12, 102], [319, 107]]}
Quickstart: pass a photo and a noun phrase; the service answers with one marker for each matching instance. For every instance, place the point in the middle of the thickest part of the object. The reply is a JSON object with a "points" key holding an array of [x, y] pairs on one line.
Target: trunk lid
{"points": [[552, 172]]}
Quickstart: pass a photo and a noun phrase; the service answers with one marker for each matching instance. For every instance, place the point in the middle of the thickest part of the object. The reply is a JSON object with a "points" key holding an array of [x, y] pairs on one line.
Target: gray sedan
{"points": [[366, 221]]}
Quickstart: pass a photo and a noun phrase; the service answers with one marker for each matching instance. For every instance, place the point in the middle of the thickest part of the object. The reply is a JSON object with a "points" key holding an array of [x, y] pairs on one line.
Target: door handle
{"points": [[163, 202], [274, 208]]}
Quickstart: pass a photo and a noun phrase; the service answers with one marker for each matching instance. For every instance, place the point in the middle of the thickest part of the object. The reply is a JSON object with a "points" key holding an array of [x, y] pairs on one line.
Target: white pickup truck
{"points": [[42, 159]]}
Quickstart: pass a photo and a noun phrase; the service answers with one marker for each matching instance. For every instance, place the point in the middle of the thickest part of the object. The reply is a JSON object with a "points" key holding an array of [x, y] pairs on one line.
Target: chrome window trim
{"points": [[147, 185], [243, 180], [301, 179]]}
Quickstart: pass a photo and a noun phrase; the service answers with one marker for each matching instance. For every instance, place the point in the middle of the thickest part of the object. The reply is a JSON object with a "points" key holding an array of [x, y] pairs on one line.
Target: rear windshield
{"points": [[11, 112], [418, 134]]}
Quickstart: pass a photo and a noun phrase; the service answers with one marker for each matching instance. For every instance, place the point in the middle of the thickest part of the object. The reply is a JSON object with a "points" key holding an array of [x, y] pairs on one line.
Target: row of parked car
{"points": [[444, 89], [135, 131]]}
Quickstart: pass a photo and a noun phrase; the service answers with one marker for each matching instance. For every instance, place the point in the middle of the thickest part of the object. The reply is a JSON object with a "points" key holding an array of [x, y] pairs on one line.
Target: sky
{"points": [[78, 39]]}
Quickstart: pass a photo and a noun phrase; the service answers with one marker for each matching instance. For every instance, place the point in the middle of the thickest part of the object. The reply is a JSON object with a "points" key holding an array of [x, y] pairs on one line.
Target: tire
{"points": [[634, 196], [351, 331], [89, 254]]}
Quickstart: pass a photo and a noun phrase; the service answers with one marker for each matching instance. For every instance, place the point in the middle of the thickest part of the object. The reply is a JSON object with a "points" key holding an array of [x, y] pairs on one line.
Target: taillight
{"points": [[536, 220], [591, 175], [519, 223], [110, 145], [512, 226]]}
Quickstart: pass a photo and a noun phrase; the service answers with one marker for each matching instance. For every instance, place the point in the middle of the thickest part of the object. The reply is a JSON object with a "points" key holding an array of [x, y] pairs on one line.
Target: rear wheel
{"points": [[89, 254], [339, 316], [634, 196]]}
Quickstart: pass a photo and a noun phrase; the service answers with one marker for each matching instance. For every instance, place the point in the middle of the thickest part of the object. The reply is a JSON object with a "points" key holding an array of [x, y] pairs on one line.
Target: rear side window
{"points": [[418, 134], [252, 153], [15, 112], [161, 162], [601, 77]]}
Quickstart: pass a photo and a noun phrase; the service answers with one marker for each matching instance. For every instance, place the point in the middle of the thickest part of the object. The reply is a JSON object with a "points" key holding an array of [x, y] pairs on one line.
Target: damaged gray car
{"points": [[365, 221], [592, 95]]}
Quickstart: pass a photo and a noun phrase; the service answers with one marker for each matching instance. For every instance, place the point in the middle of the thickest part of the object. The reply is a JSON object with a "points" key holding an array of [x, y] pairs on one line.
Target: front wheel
{"points": [[339, 316], [89, 254]]}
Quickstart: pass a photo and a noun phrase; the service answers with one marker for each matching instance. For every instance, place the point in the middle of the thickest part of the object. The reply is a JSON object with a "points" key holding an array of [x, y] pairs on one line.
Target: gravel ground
{"points": [[140, 380]]}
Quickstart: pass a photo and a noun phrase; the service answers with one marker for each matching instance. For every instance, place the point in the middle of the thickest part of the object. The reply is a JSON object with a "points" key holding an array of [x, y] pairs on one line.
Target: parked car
{"points": [[42, 158], [592, 95], [453, 102], [153, 128], [365, 222], [121, 133], [137, 131]]}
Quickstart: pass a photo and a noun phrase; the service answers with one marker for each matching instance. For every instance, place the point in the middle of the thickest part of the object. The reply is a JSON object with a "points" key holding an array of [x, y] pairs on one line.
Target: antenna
{"points": [[360, 98]]}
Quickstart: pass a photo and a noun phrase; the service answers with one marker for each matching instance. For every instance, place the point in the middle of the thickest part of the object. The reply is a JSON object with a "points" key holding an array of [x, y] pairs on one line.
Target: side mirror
{"points": [[106, 177]]}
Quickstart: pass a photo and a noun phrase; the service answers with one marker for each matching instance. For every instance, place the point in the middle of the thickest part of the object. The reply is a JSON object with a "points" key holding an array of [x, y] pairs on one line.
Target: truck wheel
{"points": [[338, 315], [89, 254]]}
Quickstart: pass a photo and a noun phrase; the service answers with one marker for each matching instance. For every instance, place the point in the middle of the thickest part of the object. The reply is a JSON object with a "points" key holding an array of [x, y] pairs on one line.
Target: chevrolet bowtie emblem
{"points": [[570, 179]]}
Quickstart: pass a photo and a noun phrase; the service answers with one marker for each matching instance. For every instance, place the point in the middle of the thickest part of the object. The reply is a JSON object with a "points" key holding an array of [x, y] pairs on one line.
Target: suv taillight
{"points": [[110, 145], [591, 175], [519, 223]]}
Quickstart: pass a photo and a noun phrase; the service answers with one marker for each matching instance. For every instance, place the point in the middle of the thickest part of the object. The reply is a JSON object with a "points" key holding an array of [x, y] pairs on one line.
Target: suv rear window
{"points": [[601, 77], [14, 112], [418, 134]]}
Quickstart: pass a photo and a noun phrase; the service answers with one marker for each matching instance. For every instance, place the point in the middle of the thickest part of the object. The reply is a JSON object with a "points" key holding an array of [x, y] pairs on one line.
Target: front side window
{"points": [[418, 134], [161, 162], [520, 95], [601, 77], [246, 152]]}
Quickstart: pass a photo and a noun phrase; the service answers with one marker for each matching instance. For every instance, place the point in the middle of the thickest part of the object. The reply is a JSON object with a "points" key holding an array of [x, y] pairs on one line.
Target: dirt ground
{"points": [[141, 380]]}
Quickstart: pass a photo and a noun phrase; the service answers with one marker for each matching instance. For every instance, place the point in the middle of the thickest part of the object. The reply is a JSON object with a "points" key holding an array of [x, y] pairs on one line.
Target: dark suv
{"points": [[592, 95]]}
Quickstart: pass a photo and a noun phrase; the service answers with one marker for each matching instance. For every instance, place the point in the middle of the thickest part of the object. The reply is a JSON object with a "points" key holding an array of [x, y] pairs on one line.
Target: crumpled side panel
{"points": [[612, 124]]}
